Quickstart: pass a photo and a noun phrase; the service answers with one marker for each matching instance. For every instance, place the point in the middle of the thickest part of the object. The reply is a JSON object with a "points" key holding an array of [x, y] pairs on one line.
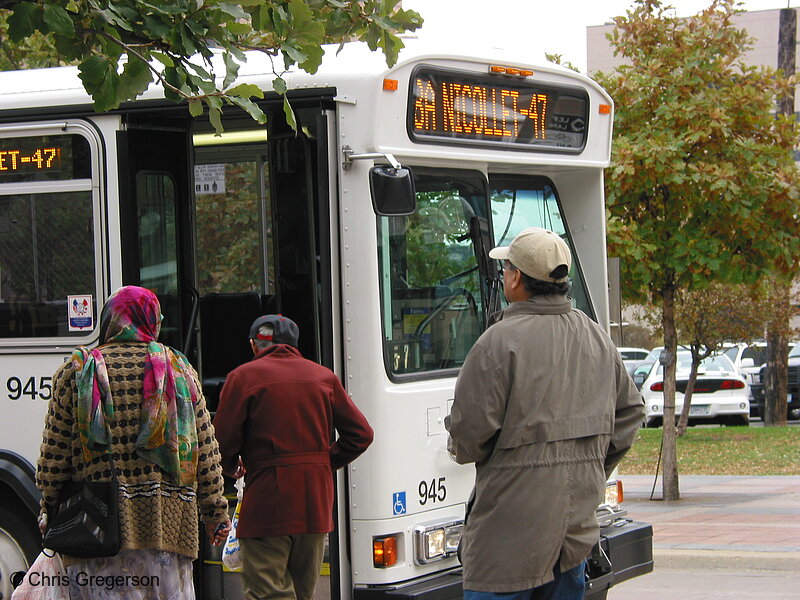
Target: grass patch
{"points": [[720, 451]]}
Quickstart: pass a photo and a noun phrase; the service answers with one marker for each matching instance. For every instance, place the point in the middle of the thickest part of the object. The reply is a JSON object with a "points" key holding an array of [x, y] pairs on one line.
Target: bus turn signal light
{"points": [[384, 551]]}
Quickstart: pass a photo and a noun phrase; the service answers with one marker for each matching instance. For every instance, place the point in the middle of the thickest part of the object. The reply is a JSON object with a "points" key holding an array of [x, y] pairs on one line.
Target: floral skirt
{"points": [[132, 575]]}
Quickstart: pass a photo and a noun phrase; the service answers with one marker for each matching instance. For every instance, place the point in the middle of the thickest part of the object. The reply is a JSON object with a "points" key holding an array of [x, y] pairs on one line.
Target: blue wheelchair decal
{"points": [[399, 503]]}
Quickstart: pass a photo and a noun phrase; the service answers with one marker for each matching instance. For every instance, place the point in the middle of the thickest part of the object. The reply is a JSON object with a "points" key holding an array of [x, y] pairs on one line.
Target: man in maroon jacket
{"points": [[277, 414]]}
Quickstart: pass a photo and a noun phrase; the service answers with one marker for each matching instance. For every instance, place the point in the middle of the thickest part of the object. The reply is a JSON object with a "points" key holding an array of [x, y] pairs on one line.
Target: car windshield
{"points": [[712, 364]]}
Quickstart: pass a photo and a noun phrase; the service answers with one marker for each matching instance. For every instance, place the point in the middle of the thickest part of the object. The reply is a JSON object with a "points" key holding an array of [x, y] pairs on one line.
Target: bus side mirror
{"points": [[392, 190]]}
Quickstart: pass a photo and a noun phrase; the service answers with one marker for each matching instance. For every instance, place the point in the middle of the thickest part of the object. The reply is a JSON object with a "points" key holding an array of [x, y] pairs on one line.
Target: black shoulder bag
{"points": [[86, 522]]}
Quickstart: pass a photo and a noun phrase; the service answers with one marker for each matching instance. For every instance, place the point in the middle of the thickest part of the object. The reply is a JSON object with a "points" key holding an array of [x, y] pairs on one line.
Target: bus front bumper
{"points": [[627, 544]]}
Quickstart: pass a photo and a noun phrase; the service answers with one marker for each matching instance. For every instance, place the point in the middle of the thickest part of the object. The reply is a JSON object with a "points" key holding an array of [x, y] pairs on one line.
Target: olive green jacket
{"points": [[545, 408]]}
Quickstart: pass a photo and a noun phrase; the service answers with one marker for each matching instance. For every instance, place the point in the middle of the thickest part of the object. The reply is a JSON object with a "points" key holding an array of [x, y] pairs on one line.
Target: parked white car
{"points": [[721, 394], [748, 359], [632, 356]]}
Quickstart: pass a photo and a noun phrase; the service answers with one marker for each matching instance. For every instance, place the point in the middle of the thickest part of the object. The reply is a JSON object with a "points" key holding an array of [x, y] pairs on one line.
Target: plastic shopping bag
{"points": [[45, 580], [231, 553]]}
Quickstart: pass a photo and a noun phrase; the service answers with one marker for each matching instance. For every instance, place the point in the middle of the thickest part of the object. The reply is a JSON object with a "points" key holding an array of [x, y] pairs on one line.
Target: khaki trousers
{"points": [[281, 567]]}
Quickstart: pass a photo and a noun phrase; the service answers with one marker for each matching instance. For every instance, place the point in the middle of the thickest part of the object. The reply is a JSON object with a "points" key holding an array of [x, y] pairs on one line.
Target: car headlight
{"points": [[437, 541]]}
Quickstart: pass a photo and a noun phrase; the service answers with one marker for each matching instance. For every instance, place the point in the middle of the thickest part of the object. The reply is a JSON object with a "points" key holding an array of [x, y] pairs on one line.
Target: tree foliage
{"points": [[707, 318], [37, 51], [702, 185], [194, 47]]}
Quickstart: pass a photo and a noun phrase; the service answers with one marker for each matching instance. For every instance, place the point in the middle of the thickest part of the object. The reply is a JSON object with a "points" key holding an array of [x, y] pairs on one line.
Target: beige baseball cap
{"points": [[536, 252]]}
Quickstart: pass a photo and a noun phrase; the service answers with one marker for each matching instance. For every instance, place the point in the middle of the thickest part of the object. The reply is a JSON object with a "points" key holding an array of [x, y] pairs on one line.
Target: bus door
{"points": [[156, 224], [262, 246]]}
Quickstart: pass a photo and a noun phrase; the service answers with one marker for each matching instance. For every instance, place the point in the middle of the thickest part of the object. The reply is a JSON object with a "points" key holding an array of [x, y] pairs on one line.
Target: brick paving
{"points": [[720, 513]]}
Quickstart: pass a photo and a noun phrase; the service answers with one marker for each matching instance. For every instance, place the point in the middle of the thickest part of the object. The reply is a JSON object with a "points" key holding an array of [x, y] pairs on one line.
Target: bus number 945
{"points": [[435, 491], [17, 388]]}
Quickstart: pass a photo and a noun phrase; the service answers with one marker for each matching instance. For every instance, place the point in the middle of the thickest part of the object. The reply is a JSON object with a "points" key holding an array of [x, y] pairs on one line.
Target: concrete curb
{"points": [[690, 559]]}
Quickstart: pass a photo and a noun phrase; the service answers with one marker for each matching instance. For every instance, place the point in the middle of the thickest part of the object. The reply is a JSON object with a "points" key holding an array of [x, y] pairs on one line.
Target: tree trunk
{"points": [[669, 481], [683, 422], [777, 380], [776, 384]]}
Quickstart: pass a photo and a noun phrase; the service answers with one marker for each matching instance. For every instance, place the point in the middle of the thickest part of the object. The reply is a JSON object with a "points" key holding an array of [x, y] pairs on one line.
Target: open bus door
{"points": [[156, 219], [261, 225]]}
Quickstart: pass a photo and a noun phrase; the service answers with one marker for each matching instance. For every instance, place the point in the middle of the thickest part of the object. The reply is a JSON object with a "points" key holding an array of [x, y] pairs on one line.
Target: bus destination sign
{"points": [[16, 160], [44, 158], [457, 108]]}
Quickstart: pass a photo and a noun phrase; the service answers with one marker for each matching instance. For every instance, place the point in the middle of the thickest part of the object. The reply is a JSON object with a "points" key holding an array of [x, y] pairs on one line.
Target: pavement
{"points": [[721, 521]]}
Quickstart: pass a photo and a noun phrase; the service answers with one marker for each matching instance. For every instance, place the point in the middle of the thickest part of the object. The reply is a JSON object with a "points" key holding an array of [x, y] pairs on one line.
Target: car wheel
{"points": [[654, 422]]}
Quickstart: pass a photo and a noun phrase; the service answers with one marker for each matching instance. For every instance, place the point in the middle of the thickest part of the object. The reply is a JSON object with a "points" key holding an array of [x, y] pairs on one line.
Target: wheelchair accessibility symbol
{"points": [[399, 503]]}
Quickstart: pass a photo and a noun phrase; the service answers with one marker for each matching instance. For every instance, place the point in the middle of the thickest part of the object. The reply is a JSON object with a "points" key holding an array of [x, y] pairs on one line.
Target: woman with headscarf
{"points": [[139, 402]]}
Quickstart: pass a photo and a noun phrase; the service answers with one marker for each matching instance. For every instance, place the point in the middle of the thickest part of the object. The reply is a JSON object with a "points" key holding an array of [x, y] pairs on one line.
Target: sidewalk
{"points": [[750, 522]]}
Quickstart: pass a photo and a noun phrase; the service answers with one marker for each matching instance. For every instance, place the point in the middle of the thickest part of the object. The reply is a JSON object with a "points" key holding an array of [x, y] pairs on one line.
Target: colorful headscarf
{"points": [[168, 434]]}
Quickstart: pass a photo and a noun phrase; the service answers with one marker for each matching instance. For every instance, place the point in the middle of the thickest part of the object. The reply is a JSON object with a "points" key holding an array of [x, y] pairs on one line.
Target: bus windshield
{"points": [[519, 202], [432, 308]]}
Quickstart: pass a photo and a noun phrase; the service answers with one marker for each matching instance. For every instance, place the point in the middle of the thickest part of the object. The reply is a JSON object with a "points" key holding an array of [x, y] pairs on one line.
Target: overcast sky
{"points": [[536, 26]]}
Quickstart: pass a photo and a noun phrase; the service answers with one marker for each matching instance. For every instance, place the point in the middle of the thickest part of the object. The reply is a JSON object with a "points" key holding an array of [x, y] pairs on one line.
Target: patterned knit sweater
{"points": [[154, 512]]}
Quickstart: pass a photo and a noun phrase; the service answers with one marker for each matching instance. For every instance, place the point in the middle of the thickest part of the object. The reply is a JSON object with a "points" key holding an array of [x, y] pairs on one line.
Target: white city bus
{"points": [[368, 226]]}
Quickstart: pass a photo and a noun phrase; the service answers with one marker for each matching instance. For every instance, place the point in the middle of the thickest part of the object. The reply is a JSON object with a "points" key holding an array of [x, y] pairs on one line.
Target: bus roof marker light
{"points": [[604, 109], [390, 85], [513, 71]]}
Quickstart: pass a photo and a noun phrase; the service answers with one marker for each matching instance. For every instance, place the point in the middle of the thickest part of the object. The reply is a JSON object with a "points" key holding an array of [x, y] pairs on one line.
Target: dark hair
{"points": [[537, 287]]}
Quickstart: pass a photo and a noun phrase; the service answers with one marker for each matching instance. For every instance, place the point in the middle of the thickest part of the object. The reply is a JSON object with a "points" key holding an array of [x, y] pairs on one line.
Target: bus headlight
{"points": [[437, 541]]}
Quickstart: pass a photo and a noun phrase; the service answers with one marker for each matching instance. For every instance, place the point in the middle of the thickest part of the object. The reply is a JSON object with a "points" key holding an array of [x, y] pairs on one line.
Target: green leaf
{"points": [[200, 71], [289, 114], [215, 114], [234, 10], [26, 18], [195, 108], [135, 79], [157, 27], [237, 28], [231, 69], [58, 20], [100, 78], [293, 55], [261, 18], [176, 78], [252, 109], [246, 90], [164, 59], [279, 85]]}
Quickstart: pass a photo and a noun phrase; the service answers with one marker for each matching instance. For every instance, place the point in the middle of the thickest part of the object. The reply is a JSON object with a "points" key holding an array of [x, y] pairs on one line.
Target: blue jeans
{"points": [[569, 585]]}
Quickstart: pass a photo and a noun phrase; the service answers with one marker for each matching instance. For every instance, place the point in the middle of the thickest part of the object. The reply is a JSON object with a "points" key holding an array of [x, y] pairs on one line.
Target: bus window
{"points": [[520, 202], [47, 245], [46, 254], [233, 227], [429, 274], [158, 246]]}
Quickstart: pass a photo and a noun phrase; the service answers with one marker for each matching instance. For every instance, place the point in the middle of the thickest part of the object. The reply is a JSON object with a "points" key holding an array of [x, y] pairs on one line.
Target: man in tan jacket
{"points": [[545, 409]]}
